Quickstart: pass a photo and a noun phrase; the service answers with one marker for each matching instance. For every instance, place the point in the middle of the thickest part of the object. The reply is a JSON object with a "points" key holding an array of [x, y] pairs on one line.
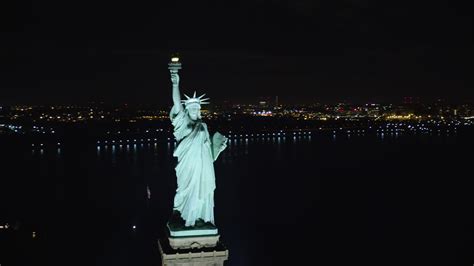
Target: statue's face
{"points": [[193, 112]]}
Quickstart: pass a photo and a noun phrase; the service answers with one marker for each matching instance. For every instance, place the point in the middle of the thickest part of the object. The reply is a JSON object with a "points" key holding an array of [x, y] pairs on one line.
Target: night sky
{"points": [[301, 50]]}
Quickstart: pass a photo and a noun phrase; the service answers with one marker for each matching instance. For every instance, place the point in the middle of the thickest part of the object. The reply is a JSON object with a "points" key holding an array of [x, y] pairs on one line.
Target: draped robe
{"points": [[194, 197]]}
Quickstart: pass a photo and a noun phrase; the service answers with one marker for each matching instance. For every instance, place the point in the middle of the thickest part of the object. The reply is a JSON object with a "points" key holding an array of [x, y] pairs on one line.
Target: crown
{"points": [[194, 100]]}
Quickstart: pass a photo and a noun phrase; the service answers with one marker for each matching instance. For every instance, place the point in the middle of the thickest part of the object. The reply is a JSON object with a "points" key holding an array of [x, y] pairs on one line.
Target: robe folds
{"points": [[194, 197]]}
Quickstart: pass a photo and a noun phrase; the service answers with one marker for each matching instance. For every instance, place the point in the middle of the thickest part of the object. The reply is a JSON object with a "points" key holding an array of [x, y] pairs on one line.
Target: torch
{"points": [[174, 65]]}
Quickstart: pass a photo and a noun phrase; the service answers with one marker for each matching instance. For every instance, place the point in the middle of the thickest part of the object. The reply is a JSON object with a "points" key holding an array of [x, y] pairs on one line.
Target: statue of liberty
{"points": [[196, 152]]}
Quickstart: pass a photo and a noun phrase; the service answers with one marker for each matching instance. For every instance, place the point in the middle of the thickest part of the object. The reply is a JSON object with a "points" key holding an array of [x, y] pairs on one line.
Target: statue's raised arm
{"points": [[176, 94]]}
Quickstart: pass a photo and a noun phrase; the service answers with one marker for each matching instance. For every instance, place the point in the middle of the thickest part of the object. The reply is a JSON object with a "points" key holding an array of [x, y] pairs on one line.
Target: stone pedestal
{"points": [[196, 245], [190, 239], [204, 256], [193, 242]]}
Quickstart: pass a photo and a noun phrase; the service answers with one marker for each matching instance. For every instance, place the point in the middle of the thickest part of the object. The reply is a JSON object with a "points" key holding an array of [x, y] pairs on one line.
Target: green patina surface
{"points": [[196, 152]]}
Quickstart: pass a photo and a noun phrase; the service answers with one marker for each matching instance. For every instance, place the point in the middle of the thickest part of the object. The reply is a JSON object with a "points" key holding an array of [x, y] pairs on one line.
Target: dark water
{"points": [[391, 200]]}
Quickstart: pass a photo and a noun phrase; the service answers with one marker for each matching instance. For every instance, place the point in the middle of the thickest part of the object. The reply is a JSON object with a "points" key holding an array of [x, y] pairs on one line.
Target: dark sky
{"points": [[300, 50]]}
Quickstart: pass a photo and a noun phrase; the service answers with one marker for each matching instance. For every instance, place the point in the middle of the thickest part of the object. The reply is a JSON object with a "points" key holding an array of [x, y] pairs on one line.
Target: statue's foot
{"points": [[199, 223], [176, 222]]}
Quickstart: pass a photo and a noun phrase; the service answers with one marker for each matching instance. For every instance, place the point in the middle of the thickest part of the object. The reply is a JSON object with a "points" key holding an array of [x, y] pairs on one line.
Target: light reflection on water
{"points": [[250, 172], [242, 144]]}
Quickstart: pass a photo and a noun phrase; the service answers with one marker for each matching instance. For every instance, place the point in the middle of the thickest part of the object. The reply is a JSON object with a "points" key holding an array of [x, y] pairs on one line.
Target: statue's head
{"points": [[194, 111], [193, 105]]}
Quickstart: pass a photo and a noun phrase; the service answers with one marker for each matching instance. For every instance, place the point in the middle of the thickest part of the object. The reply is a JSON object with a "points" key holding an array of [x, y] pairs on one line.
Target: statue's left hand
{"points": [[218, 144], [223, 145]]}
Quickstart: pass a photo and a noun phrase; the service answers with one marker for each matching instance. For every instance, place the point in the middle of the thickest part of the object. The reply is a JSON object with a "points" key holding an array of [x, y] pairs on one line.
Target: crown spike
{"points": [[195, 100]]}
